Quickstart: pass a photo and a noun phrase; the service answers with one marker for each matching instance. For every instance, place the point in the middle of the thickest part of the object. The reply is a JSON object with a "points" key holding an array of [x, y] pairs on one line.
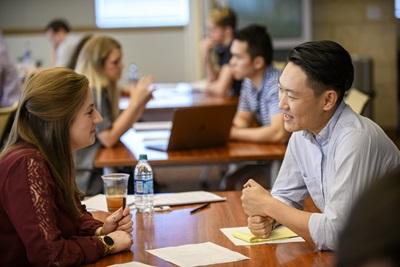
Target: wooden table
{"points": [[120, 155], [179, 227]]}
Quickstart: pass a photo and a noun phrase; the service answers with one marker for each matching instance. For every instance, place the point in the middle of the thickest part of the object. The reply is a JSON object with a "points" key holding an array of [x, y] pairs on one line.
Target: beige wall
{"points": [[365, 28], [170, 54]]}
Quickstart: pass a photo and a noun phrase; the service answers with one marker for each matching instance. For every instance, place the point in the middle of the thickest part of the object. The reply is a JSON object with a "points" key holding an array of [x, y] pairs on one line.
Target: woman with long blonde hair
{"points": [[42, 222], [100, 60]]}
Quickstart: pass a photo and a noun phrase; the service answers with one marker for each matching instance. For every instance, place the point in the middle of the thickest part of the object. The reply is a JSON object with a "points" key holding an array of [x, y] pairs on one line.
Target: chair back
{"points": [[356, 100]]}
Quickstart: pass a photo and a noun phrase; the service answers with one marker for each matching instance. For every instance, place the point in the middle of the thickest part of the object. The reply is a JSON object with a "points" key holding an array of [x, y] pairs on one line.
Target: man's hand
{"points": [[260, 226], [206, 47], [255, 198]]}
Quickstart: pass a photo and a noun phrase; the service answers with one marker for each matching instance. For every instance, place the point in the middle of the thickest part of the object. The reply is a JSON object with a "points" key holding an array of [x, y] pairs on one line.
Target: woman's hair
{"points": [[91, 62], [48, 105], [74, 58]]}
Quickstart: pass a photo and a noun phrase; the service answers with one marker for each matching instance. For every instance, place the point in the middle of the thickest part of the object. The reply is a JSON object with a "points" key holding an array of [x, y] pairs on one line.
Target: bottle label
{"points": [[139, 187], [143, 187]]}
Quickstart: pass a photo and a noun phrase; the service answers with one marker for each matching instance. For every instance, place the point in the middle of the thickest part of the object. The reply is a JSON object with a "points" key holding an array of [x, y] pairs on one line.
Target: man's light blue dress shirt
{"points": [[334, 167]]}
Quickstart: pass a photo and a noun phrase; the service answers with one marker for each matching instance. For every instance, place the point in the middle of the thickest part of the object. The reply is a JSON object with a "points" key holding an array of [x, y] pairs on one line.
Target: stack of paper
{"points": [[197, 254], [241, 236]]}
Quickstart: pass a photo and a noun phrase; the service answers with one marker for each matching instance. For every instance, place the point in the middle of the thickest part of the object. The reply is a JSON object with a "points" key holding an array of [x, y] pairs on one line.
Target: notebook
{"points": [[197, 127]]}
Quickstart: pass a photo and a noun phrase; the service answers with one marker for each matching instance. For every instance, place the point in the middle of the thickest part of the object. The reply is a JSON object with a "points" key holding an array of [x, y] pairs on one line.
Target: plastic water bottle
{"points": [[133, 73], [143, 178]]}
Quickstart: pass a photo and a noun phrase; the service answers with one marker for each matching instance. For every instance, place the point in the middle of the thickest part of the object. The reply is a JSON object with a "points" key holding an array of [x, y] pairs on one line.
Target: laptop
{"points": [[197, 127]]}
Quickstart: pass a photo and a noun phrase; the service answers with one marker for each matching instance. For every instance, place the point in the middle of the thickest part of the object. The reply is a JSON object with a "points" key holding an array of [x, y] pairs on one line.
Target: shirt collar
{"points": [[324, 135]]}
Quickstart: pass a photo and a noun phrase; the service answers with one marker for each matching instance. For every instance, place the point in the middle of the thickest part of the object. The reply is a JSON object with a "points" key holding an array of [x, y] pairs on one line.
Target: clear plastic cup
{"points": [[115, 188]]}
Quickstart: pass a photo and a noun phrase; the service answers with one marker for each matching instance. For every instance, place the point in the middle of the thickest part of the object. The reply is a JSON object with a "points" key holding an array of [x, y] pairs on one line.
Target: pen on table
{"points": [[199, 208]]}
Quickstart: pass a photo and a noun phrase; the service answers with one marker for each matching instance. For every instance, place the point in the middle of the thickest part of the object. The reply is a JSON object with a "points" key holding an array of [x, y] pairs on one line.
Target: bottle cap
{"points": [[143, 157]]}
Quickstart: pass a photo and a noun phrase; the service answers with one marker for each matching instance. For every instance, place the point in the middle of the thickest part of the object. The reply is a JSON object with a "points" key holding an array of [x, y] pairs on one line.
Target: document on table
{"points": [[131, 264], [98, 202], [241, 236], [197, 254]]}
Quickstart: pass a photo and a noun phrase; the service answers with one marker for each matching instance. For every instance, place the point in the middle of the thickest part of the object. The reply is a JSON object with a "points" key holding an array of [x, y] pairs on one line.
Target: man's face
{"points": [[241, 63], [301, 108], [56, 37], [215, 33]]}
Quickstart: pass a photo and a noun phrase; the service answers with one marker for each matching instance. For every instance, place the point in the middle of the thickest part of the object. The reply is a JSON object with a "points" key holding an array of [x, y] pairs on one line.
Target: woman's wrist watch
{"points": [[108, 243]]}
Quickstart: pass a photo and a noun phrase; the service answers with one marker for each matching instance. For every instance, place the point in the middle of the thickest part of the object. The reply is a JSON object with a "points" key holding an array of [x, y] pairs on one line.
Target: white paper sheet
{"points": [[197, 254], [131, 264], [228, 232], [98, 202]]}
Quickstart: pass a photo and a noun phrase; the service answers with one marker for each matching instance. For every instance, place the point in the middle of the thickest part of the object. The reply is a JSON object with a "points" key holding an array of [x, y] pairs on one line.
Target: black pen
{"points": [[199, 208]]}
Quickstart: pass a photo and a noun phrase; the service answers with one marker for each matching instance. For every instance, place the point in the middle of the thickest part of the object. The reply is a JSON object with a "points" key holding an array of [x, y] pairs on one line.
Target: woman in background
{"points": [[42, 222], [100, 60]]}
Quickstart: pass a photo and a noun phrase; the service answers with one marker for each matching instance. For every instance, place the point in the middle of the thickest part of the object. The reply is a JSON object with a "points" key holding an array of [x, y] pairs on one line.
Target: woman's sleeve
{"points": [[87, 224], [29, 201]]}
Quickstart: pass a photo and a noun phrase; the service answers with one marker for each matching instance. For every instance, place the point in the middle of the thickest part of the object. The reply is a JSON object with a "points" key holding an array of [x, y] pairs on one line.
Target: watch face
{"points": [[108, 240]]}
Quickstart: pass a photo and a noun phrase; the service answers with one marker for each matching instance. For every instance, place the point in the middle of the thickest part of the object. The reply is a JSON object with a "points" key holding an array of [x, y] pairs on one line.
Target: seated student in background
{"points": [[100, 60], [74, 56], [42, 222], [63, 43], [221, 27], [9, 81], [371, 236], [333, 154], [258, 118]]}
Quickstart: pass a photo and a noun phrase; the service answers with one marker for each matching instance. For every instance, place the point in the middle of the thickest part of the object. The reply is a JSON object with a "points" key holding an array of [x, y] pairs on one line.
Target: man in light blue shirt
{"points": [[333, 154]]}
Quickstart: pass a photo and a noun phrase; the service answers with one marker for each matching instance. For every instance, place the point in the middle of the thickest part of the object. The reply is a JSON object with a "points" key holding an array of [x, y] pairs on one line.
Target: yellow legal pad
{"points": [[280, 232]]}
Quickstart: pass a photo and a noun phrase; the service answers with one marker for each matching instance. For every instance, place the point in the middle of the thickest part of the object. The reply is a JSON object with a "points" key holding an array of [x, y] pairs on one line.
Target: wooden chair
{"points": [[356, 99], [5, 115]]}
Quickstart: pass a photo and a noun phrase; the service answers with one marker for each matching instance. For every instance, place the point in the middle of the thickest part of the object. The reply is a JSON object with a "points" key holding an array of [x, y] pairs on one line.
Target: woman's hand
{"points": [[120, 220], [141, 93], [122, 241]]}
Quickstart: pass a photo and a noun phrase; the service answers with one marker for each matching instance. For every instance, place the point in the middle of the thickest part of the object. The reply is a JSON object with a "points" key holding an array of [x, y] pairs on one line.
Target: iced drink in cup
{"points": [[115, 187]]}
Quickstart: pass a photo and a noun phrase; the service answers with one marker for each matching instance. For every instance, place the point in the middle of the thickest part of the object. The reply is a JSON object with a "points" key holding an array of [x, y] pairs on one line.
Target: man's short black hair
{"points": [[327, 65], [58, 24], [258, 42]]}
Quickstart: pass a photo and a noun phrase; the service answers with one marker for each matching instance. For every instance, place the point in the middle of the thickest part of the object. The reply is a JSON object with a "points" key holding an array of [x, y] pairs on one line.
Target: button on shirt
{"points": [[262, 102], [334, 167]]}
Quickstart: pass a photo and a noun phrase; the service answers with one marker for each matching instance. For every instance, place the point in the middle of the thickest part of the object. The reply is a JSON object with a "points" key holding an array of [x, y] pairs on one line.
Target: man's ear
{"points": [[258, 62], [330, 99]]}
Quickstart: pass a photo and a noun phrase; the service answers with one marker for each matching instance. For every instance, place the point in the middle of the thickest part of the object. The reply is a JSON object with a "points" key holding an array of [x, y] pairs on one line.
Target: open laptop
{"points": [[197, 127]]}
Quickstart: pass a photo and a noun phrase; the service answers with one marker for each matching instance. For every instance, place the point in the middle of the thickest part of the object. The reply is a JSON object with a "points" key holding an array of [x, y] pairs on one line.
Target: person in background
{"points": [[42, 222], [371, 236], [221, 27], [258, 118], [100, 60], [63, 43], [333, 154], [74, 57], [10, 83]]}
